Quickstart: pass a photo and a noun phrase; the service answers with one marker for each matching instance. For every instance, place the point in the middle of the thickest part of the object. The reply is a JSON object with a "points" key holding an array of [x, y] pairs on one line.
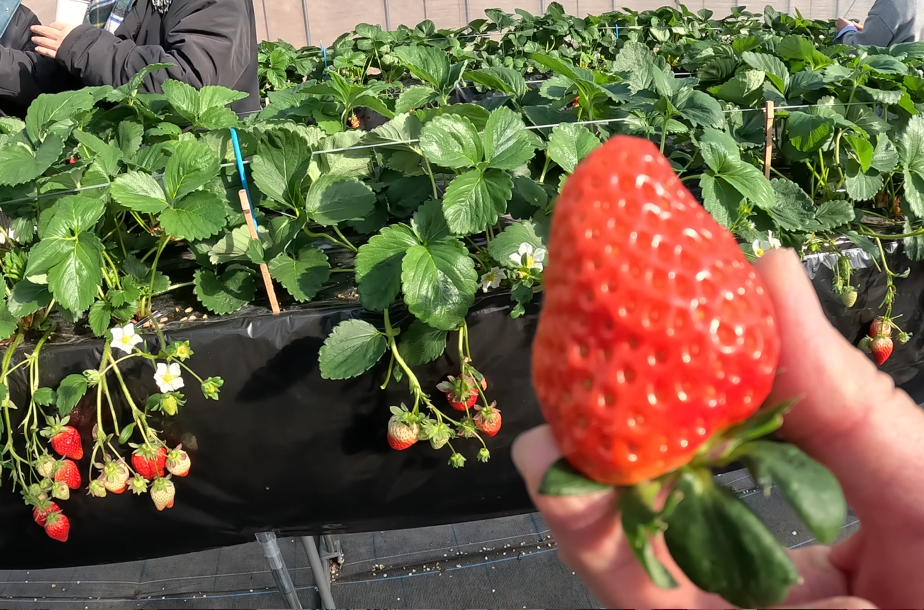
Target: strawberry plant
{"points": [[370, 181]]}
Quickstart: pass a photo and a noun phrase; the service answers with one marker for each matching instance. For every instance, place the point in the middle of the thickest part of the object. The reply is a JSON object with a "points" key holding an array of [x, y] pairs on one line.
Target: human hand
{"points": [[851, 418], [49, 38], [842, 23]]}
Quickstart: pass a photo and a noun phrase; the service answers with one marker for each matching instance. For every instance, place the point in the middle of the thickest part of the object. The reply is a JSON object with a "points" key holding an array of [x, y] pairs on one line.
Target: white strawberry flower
{"points": [[492, 279], [760, 246], [168, 377], [529, 257], [125, 338]]}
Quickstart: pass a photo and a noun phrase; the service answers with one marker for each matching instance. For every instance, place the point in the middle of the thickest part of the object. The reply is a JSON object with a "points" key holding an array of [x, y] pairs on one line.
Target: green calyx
{"points": [[711, 534]]}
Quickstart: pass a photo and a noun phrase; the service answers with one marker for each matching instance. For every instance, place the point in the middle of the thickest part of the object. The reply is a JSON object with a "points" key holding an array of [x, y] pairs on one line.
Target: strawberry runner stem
{"points": [[137, 415]]}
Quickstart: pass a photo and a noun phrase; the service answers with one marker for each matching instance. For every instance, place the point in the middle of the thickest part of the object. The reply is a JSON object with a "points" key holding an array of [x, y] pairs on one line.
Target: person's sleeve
{"points": [[24, 74], [206, 40], [847, 29], [876, 33]]}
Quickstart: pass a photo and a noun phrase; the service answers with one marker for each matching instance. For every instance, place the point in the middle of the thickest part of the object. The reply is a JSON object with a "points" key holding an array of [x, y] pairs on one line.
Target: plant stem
{"points": [[545, 168], [436, 193], [328, 237], [174, 287], [346, 242]]}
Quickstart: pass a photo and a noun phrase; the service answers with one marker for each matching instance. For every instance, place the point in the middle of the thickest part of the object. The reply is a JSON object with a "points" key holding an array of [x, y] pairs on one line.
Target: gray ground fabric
{"points": [[499, 563]]}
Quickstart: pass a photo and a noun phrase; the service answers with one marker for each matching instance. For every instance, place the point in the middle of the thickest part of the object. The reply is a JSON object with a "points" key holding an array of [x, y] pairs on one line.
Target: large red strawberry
{"points": [[461, 393], [149, 461], [64, 439], [656, 332], [43, 509], [57, 526], [68, 473]]}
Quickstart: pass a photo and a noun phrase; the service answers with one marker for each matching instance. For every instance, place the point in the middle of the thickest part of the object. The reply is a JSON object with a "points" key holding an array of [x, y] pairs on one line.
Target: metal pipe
{"points": [[277, 566], [307, 27], [321, 575], [387, 16], [468, 18]]}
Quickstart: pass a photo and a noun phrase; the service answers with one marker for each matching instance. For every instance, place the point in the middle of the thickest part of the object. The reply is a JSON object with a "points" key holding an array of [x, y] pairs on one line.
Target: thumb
{"points": [[836, 602], [850, 417]]}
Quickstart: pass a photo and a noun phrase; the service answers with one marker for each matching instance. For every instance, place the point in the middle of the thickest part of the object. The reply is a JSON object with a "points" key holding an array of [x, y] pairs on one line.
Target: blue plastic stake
{"points": [[616, 25], [324, 53], [251, 218], [240, 169]]}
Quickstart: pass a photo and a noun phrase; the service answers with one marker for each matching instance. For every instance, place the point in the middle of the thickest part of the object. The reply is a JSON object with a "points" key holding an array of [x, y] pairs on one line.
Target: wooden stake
{"points": [[267, 280], [768, 149]]}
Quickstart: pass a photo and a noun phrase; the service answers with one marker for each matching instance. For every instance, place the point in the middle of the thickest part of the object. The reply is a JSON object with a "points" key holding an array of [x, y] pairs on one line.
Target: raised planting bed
{"points": [[395, 242]]}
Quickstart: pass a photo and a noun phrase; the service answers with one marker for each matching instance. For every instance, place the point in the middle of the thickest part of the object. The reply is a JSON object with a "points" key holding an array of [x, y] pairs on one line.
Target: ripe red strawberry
{"points": [[880, 328], [656, 332], [178, 462], [163, 492], [65, 440], [881, 348], [57, 526], [68, 473], [401, 435], [354, 121], [461, 393], [576, 102], [488, 420], [43, 509], [149, 462]]}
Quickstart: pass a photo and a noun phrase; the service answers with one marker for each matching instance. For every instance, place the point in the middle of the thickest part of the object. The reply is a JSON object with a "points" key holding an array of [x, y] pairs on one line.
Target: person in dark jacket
{"points": [[209, 42]]}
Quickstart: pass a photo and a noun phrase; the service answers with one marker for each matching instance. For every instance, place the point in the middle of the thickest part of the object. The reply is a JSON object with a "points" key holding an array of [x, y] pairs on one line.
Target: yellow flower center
{"points": [[759, 252], [530, 261], [167, 378], [126, 340]]}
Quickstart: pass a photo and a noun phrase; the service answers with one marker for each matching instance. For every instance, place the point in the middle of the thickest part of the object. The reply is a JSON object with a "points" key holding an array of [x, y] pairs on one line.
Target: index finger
{"points": [[850, 417], [42, 30]]}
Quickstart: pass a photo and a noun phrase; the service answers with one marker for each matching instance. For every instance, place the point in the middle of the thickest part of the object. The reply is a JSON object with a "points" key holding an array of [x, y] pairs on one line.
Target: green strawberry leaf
{"points": [[44, 397], [27, 298], [400, 133], [451, 141], [333, 199], [281, 164], [833, 214], [911, 153], [506, 80], [861, 186], [303, 275], [793, 210], [563, 479], [183, 97], [138, 191], [509, 241], [71, 390], [863, 149], [413, 98], [99, 317], [428, 222], [8, 326], [809, 487], [808, 132], [378, 266], [227, 293], [641, 524], [20, 163], [569, 144], [772, 66], [724, 548], [421, 344], [475, 200], [507, 142], [192, 165], [51, 108], [196, 216], [439, 282], [104, 153], [352, 348]]}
